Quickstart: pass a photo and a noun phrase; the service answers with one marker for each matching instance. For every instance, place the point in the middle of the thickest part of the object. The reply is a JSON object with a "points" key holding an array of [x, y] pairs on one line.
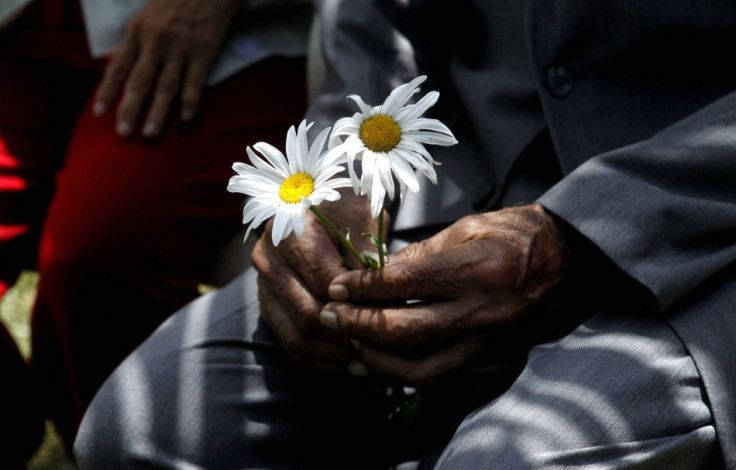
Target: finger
{"points": [[114, 76], [418, 371], [314, 256], [486, 266], [324, 348], [167, 87], [287, 289], [194, 82], [442, 275], [409, 327], [298, 308], [416, 326], [137, 87]]}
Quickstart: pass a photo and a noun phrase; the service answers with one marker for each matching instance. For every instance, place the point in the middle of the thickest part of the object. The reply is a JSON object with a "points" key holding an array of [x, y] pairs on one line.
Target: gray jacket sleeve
{"points": [[663, 209]]}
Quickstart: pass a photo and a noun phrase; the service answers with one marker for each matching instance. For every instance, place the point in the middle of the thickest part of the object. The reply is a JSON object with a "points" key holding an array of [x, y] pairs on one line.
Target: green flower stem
{"points": [[381, 254], [333, 228]]}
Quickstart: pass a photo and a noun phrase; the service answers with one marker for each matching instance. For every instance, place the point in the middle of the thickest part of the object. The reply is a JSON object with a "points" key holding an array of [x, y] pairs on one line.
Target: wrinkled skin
{"points": [[480, 275], [293, 279], [166, 53]]}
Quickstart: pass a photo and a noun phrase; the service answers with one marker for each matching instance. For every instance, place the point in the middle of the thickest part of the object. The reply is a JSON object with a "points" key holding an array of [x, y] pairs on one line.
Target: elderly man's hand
{"points": [[167, 52], [294, 277], [481, 274]]}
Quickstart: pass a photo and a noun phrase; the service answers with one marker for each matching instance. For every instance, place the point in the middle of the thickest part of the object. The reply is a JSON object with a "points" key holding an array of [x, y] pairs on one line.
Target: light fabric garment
{"points": [[643, 125], [10, 9], [619, 392], [213, 389], [644, 129]]}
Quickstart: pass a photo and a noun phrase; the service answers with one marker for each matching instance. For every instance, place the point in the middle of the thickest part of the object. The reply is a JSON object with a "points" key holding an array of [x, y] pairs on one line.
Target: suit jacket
{"points": [[639, 100]]}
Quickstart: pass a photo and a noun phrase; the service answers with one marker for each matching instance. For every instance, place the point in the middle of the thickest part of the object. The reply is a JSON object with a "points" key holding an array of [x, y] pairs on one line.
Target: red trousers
{"points": [[122, 231]]}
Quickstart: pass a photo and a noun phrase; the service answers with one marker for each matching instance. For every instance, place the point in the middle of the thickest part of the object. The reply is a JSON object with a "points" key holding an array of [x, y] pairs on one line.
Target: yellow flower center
{"points": [[380, 133], [296, 186]]}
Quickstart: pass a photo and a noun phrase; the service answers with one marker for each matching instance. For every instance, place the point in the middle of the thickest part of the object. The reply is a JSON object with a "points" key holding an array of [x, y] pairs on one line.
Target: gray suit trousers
{"points": [[212, 389]]}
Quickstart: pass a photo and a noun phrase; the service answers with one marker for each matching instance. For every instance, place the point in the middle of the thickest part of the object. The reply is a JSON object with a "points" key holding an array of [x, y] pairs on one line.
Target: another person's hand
{"points": [[472, 280], [167, 52], [293, 279]]}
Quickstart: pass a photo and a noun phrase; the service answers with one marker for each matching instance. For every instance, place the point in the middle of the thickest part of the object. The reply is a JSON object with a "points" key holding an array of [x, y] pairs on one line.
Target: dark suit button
{"points": [[559, 81]]}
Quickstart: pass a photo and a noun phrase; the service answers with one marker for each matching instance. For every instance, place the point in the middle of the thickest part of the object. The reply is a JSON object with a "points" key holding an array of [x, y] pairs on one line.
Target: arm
{"points": [[664, 209]]}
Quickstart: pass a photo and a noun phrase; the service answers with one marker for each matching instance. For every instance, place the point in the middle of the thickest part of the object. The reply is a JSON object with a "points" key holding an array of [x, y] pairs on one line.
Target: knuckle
{"points": [[167, 86], [166, 33], [292, 342], [115, 73], [297, 359], [404, 331], [190, 96], [472, 225], [319, 278], [420, 376], [305, 319], [138, 85], [259, 257], [404, 283], [136, 25]]}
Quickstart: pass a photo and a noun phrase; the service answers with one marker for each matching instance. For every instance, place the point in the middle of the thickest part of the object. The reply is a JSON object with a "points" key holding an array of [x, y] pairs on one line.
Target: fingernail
{"points": [[357, 368], [338, 292], [124, 128], [99, 108], [329, 320], [355, 343], [150, 130]]}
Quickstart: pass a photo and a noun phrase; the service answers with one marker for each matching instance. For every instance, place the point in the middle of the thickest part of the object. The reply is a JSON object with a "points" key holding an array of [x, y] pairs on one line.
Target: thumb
{"points": [[429, 275]]}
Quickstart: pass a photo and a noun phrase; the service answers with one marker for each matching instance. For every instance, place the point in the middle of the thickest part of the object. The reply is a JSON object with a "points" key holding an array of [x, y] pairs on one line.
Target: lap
{"points": [[213, 386], [620, 391], [212, 389]]}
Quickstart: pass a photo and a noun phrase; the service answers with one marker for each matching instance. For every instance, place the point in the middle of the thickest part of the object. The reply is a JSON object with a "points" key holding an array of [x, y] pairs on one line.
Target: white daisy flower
{"points": [[285, 187], [389, 140]]}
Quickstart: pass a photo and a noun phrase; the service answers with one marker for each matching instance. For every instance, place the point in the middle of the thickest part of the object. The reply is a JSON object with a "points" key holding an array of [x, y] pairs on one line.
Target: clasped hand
{"points": [[437, 303]]}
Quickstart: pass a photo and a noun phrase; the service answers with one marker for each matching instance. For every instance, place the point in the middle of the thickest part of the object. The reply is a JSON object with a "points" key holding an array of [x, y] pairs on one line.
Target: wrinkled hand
{"points": [[167, 51], [293, 279], [481, 274]]}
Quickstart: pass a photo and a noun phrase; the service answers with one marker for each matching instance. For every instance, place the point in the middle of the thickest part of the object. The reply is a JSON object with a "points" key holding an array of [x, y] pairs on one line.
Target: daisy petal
{"points": [[364, 108], [316, 150], [354, 177], [409, 113], [424, 124], [400, 95], [274, 156], [281, 226], [383, 165], [405, 173], [297, 216], [377, 196], [302, 147], [334, 156], [346, 126]]}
